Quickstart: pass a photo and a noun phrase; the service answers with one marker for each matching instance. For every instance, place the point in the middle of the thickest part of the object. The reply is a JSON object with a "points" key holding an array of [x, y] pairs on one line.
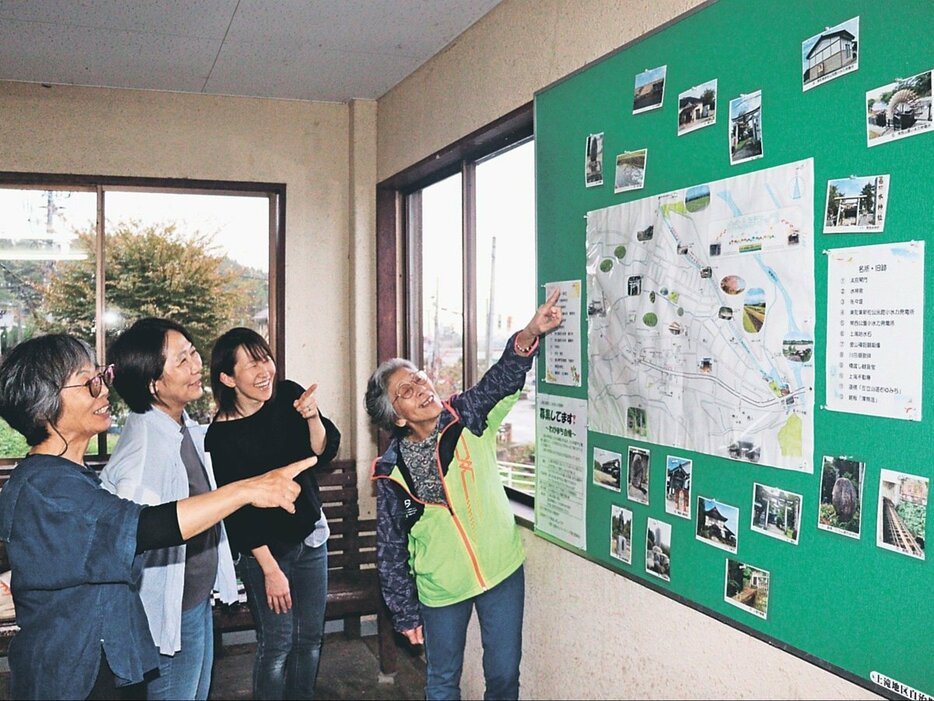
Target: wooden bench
{"points": [[353, 588]]}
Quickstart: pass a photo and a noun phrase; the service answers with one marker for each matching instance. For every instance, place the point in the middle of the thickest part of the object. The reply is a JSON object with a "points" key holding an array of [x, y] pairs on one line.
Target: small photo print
{"points": [[697, 107], [637, 482], [593, 160], [630, 170], [775, 512], [899, 109], [649, 92], [856, 204], [831, 54], [717, 523], [658, 549], [747, 587], [841, 495], [621, 534], [678, 486], [746, 128], [606, 468], [902, 513]]}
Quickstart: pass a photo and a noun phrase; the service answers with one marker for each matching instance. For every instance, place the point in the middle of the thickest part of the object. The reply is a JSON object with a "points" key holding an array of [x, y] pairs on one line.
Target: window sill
{"points": [[525, 514]]}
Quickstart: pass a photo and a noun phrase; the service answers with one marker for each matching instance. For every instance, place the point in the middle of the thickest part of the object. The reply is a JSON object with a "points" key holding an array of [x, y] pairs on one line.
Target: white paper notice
{"points": [[563, 345], [875, 327], [561, 468]]}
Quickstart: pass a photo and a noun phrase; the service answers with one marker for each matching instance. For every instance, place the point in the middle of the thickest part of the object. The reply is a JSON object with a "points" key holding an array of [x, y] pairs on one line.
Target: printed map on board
{"points": [[700, 309]]}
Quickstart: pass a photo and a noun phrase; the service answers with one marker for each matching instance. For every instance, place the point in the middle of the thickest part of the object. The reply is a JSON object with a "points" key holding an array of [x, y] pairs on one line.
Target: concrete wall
{"points": [[588, 632], [323, 152]]}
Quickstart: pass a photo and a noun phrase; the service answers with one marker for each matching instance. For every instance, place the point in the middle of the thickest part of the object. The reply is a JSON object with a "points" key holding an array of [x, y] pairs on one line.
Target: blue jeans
{"points": [[499, 611], [187, 673], [288, 645]]}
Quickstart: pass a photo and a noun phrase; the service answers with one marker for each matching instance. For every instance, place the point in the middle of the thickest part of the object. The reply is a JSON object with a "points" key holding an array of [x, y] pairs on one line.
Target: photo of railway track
{"points": [[900, 525]]}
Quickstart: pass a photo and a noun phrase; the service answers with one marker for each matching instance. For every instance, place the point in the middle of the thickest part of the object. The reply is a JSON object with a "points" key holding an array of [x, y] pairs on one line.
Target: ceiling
{"points": [[332, 50]]}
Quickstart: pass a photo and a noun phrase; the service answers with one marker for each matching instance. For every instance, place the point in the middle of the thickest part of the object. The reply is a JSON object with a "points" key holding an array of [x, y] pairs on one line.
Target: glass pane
{"points": [[47, 273], [201, 260], [442, 285], [505, 292]]}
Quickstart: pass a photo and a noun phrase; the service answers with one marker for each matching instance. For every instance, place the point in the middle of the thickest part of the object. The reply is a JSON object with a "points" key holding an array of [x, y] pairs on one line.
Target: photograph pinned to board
{"points": [[841, 495], [717, 523], [747, 587], [902, 513], [678, 486], [630, 170], [830, 54], [637, 478], [776, 513], [593, 160], [856, 204], [697, 107], [606, 468], [746, 128], [621, 534], [658, 549], [649, 91], [899, 109]]}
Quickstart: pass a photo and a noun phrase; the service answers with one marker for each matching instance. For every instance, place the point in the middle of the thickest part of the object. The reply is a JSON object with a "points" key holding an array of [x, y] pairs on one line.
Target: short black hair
{"points": [[223, 359], [31, 379], [138, 357]]}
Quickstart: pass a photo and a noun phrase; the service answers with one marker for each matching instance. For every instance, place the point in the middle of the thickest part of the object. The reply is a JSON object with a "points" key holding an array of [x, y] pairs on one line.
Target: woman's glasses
{"points": [[407, 389], [104, 377]]}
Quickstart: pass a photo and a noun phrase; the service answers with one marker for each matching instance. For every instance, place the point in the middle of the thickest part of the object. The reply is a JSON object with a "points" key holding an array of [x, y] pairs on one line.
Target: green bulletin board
{"points": [[842, 602]]}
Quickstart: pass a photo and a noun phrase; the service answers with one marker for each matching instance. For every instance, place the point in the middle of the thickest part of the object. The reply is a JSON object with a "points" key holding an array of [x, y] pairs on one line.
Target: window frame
{"points": [[101, 184], [398, 294]]}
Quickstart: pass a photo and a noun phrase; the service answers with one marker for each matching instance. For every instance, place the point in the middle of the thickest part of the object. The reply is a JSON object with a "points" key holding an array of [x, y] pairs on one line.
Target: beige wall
{"points": [[302, 144], [588, 632]]}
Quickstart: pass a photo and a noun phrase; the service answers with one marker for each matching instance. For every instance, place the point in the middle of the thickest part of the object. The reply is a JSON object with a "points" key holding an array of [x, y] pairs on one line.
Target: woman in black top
{"points": [[261, 425]]}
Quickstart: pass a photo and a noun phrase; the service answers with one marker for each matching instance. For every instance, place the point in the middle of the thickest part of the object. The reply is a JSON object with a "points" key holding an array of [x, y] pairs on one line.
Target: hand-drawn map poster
{"points": [[700, 309]]}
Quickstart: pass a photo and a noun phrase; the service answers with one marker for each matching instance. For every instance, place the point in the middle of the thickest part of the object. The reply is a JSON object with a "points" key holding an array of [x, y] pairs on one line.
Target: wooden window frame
{"points": [[398, 297], [100, 184]]}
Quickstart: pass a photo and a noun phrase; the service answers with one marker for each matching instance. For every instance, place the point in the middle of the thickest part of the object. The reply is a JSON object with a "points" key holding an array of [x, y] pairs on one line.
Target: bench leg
{"points": [[351, 626], [387, 643]]}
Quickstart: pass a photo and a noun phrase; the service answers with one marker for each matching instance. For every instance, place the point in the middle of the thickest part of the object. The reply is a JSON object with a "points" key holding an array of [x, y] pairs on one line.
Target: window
{"points": [[468, 274], [199, 256]]}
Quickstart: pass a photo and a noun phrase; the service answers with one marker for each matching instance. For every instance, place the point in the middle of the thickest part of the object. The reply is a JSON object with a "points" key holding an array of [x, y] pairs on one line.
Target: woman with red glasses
{"points": [[74, 548], [446, 536]]}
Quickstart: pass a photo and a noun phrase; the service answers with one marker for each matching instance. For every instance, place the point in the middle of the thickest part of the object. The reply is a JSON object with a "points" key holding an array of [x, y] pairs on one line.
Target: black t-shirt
{"points": [[274, 436]]}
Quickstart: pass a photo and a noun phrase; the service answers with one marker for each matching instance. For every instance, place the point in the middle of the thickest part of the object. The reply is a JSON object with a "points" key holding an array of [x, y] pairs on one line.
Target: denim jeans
{"points": [[499, 611], [187, 673], [288, 645]]}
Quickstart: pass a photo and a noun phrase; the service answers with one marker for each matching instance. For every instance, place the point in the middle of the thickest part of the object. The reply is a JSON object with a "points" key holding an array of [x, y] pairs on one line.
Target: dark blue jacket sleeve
{"points": [[506, 377], [392, 558]]}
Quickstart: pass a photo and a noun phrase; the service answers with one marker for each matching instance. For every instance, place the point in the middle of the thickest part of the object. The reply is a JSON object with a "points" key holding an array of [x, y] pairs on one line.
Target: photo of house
{"points": [[717, 523], [606, 468], [831, 54], [697, 107], [649, 92]]}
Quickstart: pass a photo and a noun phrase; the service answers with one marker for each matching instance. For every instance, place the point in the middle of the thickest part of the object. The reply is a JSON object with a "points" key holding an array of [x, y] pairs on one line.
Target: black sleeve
{"points": [[158, 527]]}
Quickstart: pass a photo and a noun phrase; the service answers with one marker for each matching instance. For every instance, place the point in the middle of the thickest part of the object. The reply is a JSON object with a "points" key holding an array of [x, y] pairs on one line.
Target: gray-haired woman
{"points": [[74, 547], [446, 536]]}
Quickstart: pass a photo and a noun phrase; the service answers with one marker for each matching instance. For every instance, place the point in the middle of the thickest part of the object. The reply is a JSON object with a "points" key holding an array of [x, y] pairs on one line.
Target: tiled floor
{"points": [[349, 670]]}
